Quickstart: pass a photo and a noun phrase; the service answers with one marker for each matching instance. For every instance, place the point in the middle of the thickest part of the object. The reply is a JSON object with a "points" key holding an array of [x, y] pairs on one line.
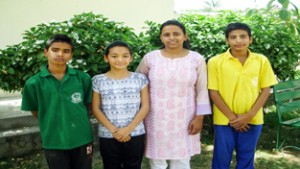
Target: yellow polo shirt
{"points": [[239, 85]]}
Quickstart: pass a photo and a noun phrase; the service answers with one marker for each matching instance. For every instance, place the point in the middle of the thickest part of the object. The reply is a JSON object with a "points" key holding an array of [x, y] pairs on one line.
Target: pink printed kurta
{"points": [[178, 91]]}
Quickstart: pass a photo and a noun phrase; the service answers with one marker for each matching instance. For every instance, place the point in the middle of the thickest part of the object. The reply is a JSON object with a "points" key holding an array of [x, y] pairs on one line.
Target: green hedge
{"points": [[277, 39]]}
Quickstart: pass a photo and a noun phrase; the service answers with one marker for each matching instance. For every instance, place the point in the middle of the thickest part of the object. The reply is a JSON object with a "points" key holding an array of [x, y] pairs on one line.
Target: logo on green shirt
{"points": [[76, 97]]}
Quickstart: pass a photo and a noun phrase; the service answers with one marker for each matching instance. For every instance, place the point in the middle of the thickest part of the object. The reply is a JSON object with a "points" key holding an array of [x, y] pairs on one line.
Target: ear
{"points": [[226, 41], [105, 59], [186, 37], [161, 39], [250, 40], [71, 56], [45, 53], [131, 58]]}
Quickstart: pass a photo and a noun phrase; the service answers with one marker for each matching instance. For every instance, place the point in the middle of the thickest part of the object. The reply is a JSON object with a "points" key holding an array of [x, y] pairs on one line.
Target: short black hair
{"points": [[59, 38], [117, 43], [237, 26]]}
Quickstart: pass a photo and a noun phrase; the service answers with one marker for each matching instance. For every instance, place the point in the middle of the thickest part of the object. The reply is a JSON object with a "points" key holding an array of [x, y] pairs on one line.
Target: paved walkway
{"points": [[10, 105]]}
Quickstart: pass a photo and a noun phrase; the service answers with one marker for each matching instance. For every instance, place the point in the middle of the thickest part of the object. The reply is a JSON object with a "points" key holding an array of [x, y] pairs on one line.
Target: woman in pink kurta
{"points": [[179, 99]]}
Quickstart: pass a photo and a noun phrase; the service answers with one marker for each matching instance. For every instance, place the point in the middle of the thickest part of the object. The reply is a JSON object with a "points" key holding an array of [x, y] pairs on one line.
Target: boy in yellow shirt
{"points": [[239, 82]]}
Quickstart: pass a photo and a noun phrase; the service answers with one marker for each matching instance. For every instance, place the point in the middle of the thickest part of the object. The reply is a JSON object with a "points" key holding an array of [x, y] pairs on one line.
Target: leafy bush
{"points": [[273, 37], [277, 39], [91, 34]]}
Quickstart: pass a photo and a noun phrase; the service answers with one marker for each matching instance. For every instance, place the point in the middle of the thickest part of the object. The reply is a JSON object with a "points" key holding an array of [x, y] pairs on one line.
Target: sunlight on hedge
{"points": [[277, 39]]}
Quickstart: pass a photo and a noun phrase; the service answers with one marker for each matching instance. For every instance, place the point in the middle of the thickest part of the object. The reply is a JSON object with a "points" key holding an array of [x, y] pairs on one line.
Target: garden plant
{"points": [[276, 38]]}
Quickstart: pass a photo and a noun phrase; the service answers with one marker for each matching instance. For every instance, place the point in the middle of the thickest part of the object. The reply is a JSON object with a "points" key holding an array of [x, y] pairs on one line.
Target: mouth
{"points": [[120, 64], [172, 43], [238, 46], [59, 59]]}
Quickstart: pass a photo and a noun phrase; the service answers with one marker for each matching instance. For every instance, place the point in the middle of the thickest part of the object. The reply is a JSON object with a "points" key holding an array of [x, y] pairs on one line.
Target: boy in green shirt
{"points": [[58, 97]]}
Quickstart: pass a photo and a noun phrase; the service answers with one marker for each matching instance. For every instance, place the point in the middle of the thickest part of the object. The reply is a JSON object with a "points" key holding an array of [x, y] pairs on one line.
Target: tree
{"points": [[212, 4], [284, 12]]}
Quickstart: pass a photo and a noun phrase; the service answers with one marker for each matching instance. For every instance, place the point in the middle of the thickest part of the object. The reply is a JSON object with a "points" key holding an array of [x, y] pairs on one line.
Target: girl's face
{"points": [[118, 58], [172, 37]]}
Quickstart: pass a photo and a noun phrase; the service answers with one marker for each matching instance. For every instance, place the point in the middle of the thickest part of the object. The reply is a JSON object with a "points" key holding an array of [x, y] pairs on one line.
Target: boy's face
{"points": [[239, 40], [119, 58], [59, 53]]}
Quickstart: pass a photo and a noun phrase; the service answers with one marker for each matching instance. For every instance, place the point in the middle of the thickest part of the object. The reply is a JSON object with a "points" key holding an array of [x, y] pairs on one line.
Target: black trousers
{"points": [[118, 155], [77, 158]]}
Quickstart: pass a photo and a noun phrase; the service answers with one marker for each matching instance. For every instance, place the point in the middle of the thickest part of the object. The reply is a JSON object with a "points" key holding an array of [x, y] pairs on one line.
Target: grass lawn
{"points": [[266, 156]]}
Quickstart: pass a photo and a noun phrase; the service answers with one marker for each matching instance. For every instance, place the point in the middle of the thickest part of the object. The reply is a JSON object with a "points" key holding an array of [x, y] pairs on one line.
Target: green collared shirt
{"points": [[61, 106]]}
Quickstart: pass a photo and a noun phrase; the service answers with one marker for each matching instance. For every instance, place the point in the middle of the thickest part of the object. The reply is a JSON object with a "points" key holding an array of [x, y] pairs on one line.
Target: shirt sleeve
{"points": [[202, 97], [267, 75], [88, 89], [143, 67], [212, 75], [96, 84], [29, 98], [144, 81]]}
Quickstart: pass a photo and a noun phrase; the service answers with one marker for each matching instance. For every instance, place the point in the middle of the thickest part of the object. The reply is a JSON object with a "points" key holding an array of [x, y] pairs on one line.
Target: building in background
{"points": [[17, 16]]}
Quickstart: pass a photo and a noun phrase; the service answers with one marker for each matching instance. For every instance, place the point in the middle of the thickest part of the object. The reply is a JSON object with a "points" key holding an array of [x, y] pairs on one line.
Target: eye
{"points": [[54, 49], [232, 37], [176, 34], [67, 51], [166, 34], [243, 36]]}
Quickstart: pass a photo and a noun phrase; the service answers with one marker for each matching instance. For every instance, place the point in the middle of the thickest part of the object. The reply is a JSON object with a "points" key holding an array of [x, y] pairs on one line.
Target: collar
{"points": [[45, 72], [229, 56]]}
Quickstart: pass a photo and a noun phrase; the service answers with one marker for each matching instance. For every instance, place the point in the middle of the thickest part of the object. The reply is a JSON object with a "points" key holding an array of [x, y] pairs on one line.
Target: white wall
{"points": [[16, 16]]}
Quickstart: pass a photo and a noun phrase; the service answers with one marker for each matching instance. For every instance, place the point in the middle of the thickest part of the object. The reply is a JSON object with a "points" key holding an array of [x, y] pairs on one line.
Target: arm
{"points": [[196, 125], [222, 106], [220, 103], [88, 90], [89, 109], [96, 103], [144, 109], [35, 114], [244, 119], [143, 66], [203, 106]]}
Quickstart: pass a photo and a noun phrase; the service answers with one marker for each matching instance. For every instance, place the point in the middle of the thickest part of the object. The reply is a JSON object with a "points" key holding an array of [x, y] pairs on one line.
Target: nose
{"points": [[119, 59], [239, 39], [60, 53], [171, 36]]}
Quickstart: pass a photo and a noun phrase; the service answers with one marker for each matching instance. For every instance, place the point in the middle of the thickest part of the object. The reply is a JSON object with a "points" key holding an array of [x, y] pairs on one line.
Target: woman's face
{"points": [[172, 37]]}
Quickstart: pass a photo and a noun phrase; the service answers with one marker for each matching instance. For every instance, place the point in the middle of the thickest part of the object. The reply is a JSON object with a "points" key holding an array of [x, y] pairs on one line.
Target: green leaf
{"points": [[284, 14], [270, 5], [284, 3], [11, 71]]}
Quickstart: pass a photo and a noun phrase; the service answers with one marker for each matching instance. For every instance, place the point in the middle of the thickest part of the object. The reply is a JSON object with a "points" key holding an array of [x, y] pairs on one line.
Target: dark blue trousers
{"points": [[227, 139]]}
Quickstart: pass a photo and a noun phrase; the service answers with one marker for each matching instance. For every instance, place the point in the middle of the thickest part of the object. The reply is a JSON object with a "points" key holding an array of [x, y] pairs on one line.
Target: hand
{"points": [[196, 125], [244, 128], [122, 134], [240, 121], [128, 138]]}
